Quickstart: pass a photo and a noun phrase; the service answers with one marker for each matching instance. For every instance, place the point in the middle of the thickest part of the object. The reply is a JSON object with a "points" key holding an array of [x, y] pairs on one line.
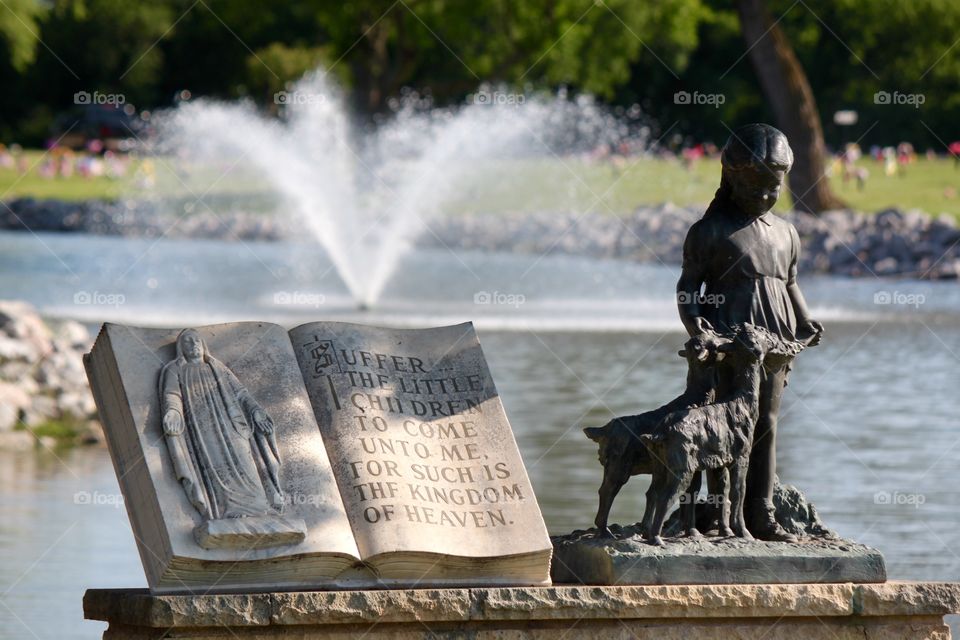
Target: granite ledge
{"points": [[138, 608]]}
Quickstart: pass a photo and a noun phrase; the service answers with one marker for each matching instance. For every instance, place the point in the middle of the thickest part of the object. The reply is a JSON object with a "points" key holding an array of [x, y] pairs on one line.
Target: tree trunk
{"points": [[785, 86]]}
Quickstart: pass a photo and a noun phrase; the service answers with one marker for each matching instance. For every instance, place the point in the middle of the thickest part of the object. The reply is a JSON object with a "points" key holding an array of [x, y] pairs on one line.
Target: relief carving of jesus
{"points": [[221, 441]]}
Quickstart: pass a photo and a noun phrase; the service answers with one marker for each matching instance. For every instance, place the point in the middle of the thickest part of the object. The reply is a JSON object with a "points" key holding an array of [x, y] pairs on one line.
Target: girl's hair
{"points": [[757, 146], [753, 146]]}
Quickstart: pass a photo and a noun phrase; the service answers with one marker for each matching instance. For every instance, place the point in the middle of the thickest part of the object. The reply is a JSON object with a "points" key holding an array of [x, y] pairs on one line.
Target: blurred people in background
{"points": [[905, 156], [63, 162], [954, 149], [849, 168], [890, 161], [7, 161], [690, 155]]}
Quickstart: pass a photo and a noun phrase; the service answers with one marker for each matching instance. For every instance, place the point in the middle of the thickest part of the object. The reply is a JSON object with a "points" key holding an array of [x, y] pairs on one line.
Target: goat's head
{"points": [[752, 344], [598, 434], [701, 350]]}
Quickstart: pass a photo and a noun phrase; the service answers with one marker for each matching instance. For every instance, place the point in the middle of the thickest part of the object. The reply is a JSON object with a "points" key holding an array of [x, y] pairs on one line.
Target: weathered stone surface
{"points": [[583, 557], [585, 629], [559, 603], [344, 607], [136, 607], [891, 611], [688, 601], [906, 598]]}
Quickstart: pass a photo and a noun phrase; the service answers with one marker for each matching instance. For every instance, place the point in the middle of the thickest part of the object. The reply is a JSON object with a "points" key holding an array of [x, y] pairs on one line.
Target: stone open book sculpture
{"points": [[332, 455]]}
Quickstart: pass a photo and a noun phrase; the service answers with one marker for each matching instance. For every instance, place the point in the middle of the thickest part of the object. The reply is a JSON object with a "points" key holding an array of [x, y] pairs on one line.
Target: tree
{"points": [[450, 48], [18, 27], [788, 91], [100, 45], [882, 46], [273, 68]]}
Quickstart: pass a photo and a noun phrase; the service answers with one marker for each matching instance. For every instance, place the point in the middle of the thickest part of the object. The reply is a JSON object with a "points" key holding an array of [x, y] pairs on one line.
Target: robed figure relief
{"points": [[224, 450]]}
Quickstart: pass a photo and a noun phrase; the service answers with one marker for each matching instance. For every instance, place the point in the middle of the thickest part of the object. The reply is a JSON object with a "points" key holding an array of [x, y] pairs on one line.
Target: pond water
{"points": [[868, 429]]}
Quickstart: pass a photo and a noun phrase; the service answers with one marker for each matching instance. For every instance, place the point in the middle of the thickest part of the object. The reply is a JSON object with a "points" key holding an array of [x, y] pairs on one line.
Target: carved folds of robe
{"points": [[220, 457]]}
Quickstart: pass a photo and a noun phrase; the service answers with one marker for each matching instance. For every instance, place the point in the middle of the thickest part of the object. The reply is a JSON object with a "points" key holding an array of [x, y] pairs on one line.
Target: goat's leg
{"points": [[713, 505], [657, 491], [738, 492], [613, 481], [650, 506], [673, 486], [721, 497], [688, 506]]}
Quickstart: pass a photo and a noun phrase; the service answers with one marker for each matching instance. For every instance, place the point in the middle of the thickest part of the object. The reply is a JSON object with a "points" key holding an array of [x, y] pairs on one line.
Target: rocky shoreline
{"points": [[44, 396], [846, 243], [895, 243], [137, 220]]}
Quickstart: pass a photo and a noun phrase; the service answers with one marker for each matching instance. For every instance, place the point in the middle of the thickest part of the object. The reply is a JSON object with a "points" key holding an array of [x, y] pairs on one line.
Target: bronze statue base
{"points": [[583, 557]]}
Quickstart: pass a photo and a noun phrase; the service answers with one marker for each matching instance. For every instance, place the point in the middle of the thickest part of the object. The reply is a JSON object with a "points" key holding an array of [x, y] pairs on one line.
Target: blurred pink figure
{"points": [[954, 150], [6, 158]]}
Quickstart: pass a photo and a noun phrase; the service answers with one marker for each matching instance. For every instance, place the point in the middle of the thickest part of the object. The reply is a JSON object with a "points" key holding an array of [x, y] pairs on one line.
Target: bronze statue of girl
{"points": [[740, 265]]}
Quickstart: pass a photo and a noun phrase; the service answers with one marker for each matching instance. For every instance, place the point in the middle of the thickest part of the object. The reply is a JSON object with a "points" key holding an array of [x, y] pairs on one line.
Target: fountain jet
{"points": [[366, 196]]}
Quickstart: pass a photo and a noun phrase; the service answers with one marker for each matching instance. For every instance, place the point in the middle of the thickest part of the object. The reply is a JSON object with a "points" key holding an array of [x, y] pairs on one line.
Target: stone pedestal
{"points": [[892, 610], [587, 559]]}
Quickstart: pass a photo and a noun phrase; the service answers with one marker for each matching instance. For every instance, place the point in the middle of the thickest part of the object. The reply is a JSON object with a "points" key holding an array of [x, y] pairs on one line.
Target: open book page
{"points": [[419, 441], [247, 367]]}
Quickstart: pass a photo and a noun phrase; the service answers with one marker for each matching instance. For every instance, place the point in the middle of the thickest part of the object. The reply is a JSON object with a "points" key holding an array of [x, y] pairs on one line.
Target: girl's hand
{"points": [[703, 325], [814, 331]]}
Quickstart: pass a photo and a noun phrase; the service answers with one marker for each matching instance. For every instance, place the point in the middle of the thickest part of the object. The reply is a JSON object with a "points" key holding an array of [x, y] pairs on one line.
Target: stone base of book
{"points": [[771, 611]]}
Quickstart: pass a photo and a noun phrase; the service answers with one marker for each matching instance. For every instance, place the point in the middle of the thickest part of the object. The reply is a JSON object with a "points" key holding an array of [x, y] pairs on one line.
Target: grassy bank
{"points": [[16, 184], [930, 185], [528, 185]]}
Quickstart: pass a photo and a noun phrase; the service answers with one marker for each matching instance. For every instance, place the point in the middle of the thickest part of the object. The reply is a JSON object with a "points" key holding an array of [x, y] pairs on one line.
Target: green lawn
{"points": [[14, 185], [533, 185], [553, 185]]}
